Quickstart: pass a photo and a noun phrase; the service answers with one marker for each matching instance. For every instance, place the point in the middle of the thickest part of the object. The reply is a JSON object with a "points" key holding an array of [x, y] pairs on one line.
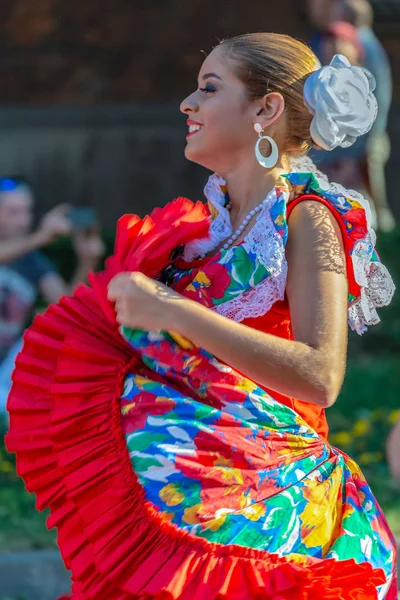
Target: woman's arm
{"points": [[311, 367]]}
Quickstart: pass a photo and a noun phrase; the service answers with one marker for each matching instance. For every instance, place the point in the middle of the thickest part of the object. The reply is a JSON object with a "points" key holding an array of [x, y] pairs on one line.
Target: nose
{"points": [[189, 105]]}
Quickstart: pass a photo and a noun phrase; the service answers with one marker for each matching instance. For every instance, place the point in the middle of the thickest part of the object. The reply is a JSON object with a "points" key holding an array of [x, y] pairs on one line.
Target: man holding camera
{"points": [[25, 272]]}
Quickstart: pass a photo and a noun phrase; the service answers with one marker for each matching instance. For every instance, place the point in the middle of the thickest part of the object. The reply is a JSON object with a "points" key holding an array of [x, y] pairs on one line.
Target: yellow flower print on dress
{"points": [[191, 515], [320, 523], [171, 495], [200, 281], [254, 512]]}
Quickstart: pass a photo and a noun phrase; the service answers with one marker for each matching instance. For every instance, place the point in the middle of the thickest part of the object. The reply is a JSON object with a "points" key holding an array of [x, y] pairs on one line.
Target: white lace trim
{"points": [[377, 286], [262, 240], [220, 227], [257, 301]]}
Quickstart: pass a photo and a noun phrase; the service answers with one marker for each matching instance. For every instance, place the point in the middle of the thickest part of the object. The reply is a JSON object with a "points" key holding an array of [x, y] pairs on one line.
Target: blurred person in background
{"points": [[320, 14], [371, 153], [25, 272], [342, 38], [393, 451], [360, 14]]}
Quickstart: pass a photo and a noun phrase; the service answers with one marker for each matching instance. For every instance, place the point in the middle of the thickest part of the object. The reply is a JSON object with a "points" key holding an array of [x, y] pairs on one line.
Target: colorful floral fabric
{"points": [[223, 460], [260, 257]]}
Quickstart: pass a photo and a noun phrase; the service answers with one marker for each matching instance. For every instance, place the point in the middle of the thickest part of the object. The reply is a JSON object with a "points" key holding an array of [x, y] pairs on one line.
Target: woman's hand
{"points": [[142, 302]]}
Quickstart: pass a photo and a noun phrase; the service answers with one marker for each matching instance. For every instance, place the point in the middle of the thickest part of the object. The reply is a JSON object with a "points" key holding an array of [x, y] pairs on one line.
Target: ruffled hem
{"points": [[66, 431]]}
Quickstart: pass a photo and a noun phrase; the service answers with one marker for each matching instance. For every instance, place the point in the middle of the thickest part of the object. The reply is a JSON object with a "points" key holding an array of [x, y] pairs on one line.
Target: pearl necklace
{"points": [[243, 225]]}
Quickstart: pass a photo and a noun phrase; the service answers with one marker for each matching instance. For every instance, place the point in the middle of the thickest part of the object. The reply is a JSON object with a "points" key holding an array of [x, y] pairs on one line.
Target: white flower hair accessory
{"points": [[340, 96]]}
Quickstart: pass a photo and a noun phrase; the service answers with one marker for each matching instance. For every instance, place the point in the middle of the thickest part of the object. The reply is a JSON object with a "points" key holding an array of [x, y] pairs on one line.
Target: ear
{"points": [[269, 108]]}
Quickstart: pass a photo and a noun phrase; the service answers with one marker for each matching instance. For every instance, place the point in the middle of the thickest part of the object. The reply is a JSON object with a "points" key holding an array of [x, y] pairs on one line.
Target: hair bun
{"points": [[340, 96]]}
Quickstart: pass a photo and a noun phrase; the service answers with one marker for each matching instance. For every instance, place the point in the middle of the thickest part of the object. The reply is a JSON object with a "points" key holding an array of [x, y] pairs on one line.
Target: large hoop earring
{"points": [[266, 161]]}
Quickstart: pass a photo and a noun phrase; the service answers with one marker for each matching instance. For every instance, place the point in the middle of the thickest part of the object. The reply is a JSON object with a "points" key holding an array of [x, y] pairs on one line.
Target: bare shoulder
{"points": [[315, 234], [317, 288]]}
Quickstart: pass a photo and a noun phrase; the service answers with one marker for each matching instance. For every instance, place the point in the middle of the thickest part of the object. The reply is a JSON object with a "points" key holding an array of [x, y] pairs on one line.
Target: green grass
{"points": [[371, 383]]}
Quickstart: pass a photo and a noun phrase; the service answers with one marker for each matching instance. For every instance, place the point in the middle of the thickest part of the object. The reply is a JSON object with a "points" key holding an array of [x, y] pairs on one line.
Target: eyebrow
{"points": [[208, 75]]}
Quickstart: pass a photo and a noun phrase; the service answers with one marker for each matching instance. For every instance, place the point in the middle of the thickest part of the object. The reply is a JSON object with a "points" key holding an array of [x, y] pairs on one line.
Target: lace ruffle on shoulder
{"points": [[370, 284], [376, 284]]}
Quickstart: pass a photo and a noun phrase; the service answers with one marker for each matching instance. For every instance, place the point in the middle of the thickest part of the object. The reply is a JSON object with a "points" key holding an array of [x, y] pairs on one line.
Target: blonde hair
{"points": [[272, 62]]}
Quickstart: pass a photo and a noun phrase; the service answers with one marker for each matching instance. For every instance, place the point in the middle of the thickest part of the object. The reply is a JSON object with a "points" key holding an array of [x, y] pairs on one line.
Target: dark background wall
{"points": [[96, 51], [90, 91]]}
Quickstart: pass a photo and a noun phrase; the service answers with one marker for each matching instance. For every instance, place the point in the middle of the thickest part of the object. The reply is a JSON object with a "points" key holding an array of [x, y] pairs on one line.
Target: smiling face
{"points": [[220, 116]]}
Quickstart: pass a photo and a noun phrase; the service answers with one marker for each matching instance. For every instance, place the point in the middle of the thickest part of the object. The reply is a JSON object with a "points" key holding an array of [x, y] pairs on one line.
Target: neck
{"points": [[247, 188]]}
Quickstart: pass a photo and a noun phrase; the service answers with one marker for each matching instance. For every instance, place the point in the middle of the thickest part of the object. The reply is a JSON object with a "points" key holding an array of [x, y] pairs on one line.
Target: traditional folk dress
{"points": [[169, 474]]}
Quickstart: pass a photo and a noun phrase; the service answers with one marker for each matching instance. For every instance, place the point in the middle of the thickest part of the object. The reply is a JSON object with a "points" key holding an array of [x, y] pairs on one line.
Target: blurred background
{"points": [[90, 129]]}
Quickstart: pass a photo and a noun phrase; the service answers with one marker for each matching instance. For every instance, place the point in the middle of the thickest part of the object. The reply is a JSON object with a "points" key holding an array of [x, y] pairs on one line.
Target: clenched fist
{"points": [[143, 303]]}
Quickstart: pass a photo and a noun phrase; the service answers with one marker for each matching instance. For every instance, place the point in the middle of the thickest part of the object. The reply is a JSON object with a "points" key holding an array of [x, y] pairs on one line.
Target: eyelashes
{"points": [[209, 89]]}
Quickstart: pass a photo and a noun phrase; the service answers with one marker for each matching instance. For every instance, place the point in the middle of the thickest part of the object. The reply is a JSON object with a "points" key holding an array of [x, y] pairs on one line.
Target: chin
{"points": [[193, 155], [200, 158]]}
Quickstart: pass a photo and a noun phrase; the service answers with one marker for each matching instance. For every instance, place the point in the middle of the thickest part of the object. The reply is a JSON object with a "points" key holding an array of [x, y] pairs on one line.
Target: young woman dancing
{"points": [[172, 414]]}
